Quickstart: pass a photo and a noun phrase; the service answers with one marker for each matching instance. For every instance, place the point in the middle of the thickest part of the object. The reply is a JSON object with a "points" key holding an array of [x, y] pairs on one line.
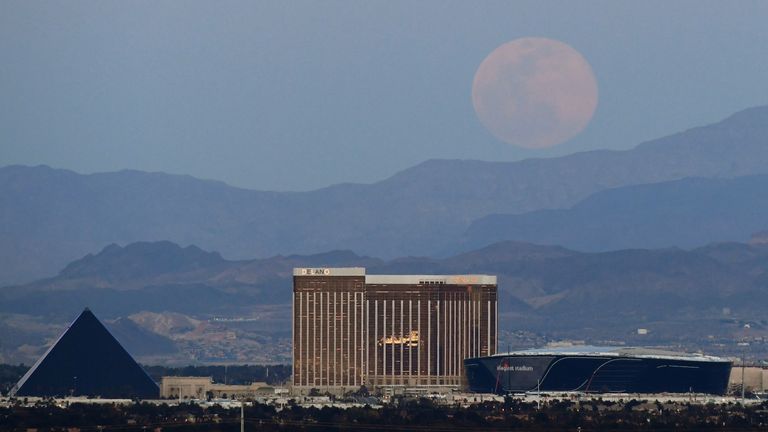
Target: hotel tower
{"points": [[352, 329]]}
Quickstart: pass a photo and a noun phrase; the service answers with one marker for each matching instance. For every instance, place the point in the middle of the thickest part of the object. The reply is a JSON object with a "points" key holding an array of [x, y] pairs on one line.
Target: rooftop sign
{"points": [[329, 271]]}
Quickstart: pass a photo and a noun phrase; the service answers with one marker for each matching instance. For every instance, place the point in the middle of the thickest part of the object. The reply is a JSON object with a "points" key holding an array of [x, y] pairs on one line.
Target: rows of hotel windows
{"points": [[345, 335], [423, 337], [328, 337]]}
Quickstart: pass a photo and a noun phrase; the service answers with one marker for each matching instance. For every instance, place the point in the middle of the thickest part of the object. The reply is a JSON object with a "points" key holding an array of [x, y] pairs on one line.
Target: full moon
{"points": [[534, 92]]}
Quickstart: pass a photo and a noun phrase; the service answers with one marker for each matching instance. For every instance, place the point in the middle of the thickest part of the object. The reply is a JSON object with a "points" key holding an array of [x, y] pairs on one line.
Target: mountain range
{"points": [[684, 213], [49, 217], [184, 300]]}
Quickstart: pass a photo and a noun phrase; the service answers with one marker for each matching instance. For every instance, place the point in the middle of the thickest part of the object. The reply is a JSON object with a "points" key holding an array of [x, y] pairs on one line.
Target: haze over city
{"points": [[393, 214]]}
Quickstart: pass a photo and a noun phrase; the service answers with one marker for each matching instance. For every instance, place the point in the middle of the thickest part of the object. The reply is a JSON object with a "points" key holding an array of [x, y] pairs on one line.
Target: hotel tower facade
{"points": [[352, 329]]}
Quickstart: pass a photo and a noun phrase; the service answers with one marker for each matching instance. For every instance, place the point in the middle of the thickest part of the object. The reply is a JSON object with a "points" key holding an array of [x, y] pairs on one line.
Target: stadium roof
{"points": [[607, 351]]}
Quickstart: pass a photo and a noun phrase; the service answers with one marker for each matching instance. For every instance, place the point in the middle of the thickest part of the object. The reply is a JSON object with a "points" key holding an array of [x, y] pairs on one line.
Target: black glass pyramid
{"points": [[87, 361]]}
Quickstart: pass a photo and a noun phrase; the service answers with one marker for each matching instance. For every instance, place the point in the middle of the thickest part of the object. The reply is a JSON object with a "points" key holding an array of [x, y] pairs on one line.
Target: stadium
{"points": [[597, 370]]}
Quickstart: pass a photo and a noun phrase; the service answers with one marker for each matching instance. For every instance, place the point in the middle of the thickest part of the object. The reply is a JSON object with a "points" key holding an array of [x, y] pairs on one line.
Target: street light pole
{"points": [[743, 367], [744, 346], [538, 394]]}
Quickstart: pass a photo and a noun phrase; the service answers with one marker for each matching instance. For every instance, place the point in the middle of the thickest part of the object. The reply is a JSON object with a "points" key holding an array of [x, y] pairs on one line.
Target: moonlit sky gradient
{"points": [[291, 95]]}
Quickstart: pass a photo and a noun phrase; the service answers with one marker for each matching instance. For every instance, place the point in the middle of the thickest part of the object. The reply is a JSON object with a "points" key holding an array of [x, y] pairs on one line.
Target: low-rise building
{"points": [[184, 387], [755, 378]]}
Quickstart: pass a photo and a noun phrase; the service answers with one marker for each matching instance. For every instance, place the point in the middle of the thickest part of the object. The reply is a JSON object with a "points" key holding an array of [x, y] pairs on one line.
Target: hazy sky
{"points": [[291, 95]]}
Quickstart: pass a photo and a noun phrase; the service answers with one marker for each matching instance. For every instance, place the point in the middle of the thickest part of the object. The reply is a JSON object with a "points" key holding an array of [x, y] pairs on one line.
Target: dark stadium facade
{"points": [[597, 370]]}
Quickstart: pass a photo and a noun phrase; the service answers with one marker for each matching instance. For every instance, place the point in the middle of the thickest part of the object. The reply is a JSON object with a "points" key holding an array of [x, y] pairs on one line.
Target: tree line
{"points": [[403, 415]]}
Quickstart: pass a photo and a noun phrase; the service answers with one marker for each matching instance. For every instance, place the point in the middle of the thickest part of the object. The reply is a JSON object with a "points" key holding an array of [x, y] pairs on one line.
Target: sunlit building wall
{"points": [[329, 327], [352, 329]]}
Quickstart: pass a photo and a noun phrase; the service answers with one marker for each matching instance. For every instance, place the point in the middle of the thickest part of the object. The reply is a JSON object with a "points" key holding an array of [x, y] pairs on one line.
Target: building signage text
{"points": [[315, 272], [515, 368]]}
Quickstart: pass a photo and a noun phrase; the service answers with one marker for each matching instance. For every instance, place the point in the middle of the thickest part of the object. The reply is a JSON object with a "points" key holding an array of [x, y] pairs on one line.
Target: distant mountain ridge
{"points": [[685, 213], [528, 273], [541, 288], [48, 217], [141, 260]]}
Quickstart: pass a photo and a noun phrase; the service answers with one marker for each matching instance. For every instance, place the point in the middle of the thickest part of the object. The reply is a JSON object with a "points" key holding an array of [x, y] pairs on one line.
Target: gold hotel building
{"points": [[352, 329]]}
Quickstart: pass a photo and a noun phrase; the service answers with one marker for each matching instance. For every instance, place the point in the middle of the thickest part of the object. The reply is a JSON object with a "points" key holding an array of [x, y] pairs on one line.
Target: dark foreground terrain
{"points": [[421, 415]]}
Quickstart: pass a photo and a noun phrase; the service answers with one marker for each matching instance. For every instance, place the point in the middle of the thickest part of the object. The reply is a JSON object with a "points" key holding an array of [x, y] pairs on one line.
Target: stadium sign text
{"points": [[516, 368]]}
